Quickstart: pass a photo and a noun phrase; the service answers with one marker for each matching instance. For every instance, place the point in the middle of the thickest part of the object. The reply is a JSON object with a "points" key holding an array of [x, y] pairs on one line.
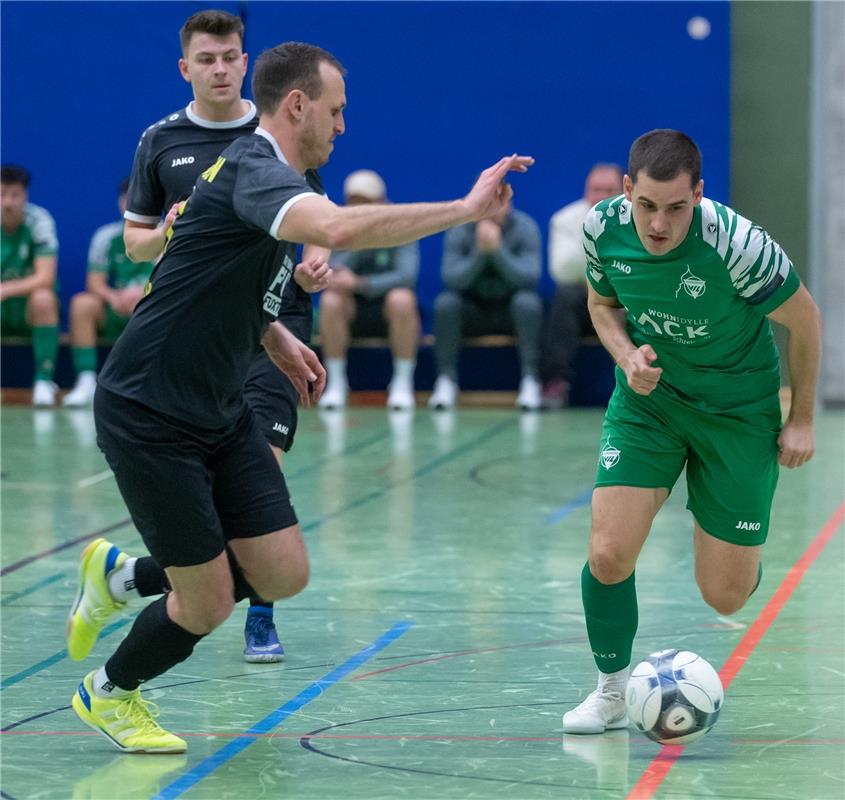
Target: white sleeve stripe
{"points": [[277, 220], [132, 217]]}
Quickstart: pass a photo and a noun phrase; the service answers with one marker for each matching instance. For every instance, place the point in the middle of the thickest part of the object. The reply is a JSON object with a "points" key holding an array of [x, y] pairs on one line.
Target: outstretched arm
{"points": [[319, 221], [801, 317]]}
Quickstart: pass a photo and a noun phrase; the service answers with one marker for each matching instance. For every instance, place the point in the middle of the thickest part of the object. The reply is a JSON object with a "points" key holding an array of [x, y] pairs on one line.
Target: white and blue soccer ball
{"points": [[674, 696]]}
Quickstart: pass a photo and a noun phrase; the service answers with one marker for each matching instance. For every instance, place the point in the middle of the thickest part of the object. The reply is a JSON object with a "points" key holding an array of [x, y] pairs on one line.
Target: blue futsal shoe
{"points": [[262, 641]]}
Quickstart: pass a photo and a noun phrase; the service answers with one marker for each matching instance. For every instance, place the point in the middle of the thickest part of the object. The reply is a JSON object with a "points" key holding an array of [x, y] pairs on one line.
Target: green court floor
{"points": [[441, 637]]}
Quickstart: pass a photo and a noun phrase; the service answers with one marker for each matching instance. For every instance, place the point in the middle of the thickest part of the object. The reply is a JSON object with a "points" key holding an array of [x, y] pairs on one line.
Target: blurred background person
{"points": [[490, 269], [568, 321], [29, 306], [113, 287], [372, 293]]}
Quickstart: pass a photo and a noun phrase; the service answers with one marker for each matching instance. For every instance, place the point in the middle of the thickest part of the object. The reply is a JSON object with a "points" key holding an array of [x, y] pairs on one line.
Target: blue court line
{"points": [[565, 510], [30, 589], [56, 657], [275, 718]]}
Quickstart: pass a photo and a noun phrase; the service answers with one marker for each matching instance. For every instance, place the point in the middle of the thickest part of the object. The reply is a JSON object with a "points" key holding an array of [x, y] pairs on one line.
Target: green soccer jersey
{"points": [[107, 254], [701, 306], [36, 236]]}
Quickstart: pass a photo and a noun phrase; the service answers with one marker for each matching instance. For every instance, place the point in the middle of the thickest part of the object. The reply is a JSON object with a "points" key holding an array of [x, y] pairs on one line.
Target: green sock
{"points": [[45, 348], [611, 614], [84, 359]]}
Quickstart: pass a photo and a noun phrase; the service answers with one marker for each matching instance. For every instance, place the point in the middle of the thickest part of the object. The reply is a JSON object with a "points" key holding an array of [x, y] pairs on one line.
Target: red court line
{"points": [[658, 769]]}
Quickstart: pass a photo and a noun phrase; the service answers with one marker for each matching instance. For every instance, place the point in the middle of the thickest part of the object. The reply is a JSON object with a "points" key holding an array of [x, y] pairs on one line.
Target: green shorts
{"points": [[13, 317], [113, 325], [732, 462]]}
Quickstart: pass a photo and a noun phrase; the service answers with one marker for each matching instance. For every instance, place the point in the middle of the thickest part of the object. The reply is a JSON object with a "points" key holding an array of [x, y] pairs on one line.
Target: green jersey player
{"points": [[112, 290], [28, 302], [681, 291]]}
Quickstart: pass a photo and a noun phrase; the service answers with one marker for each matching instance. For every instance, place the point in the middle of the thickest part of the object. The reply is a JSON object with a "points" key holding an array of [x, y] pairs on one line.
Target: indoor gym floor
{"points": [[441, 636]]}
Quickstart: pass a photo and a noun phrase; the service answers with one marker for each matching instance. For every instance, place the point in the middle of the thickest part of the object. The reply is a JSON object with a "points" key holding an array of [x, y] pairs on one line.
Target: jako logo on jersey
{"points": [[691, 284], [181, 162], [279, 428], [621, 267], [609, 455], [747, 526]]}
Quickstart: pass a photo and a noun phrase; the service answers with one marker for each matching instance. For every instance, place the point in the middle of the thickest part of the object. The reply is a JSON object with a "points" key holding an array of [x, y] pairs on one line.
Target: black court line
{"points": [[64, 546]]}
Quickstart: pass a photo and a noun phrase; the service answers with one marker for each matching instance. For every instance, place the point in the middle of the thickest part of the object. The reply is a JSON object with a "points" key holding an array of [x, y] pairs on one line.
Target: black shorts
{"points": [[369, 318], [274, 400], [191, 490]]}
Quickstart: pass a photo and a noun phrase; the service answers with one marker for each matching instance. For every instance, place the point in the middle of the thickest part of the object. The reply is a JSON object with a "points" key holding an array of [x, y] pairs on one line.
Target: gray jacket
{"points": [[493, 276], [385, 268]]}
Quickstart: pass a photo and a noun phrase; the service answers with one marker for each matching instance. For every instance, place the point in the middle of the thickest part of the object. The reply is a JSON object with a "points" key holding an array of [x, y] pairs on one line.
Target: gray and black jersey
{"points": [[172, 154], [170, 157], [187, 349]]}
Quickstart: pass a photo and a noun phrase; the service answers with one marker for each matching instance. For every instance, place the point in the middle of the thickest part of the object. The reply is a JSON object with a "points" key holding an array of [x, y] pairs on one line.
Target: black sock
{"points": [[150, 578], [154, 645], [242, 587], [256, 602]]}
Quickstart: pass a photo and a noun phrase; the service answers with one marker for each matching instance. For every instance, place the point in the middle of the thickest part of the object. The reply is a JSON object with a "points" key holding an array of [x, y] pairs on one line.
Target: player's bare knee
{"points": [[608, 567], [43, 306], [331, 301], [286, 583], [84, 306], [400, 303], [204, 611], [725, 600]]}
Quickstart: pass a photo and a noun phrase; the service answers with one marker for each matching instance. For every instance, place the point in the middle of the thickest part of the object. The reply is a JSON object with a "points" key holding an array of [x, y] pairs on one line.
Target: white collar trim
{"points": [[232, 123], [272, 139]]}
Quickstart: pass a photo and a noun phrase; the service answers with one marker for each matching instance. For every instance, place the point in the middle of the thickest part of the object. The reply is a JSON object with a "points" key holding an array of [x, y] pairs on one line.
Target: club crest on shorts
{"points": [[609, 456], [691, 284]]}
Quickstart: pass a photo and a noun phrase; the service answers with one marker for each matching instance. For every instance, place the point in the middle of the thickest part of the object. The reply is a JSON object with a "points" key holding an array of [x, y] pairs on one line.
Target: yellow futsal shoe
{"points": [[93, 604], [127, 722]]}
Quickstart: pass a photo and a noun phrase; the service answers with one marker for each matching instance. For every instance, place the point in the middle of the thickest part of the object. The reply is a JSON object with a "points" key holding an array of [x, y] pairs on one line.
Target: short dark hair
{"points": [[664, 154], [14, 174], [289, 66], [212, 22]]}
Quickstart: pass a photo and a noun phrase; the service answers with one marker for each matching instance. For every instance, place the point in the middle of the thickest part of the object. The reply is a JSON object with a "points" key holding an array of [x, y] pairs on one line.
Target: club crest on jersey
{"points": [[691, 284], [609, 455]]}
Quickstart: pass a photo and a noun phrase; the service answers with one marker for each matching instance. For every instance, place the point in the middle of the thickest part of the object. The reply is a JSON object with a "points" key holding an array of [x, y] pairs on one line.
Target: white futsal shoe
{"points": [[602, 710], [335, 395], [445, 393]]}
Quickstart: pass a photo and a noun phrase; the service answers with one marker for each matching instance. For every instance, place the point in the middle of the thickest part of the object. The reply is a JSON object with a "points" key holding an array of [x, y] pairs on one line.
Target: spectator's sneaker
{"points": [[601, 711], [93, 604], [400, 395], [262, 641], [127, 722], [335, 395], [82, 394], [529, 397], [555, 394], [445, 393], [44, 394]]}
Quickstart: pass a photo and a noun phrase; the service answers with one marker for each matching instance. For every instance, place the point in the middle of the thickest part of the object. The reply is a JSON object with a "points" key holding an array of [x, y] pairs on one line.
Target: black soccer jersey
{"points": [[187, 348], [171, 156]]}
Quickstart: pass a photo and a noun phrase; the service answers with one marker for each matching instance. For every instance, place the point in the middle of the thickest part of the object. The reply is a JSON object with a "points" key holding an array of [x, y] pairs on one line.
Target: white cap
{"points": [[364, 183]]}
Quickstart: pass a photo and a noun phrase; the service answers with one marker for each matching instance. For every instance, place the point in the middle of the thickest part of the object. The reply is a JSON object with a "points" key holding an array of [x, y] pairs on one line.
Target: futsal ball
{"points": [[674, 696]]}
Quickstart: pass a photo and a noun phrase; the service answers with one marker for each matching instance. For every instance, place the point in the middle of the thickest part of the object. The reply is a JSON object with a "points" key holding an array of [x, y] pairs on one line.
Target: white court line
{"points": [[100, 476]]}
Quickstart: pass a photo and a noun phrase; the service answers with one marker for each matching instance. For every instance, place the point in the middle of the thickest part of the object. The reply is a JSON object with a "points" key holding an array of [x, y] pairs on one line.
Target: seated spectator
{"points": [[112, 290], [568, 320], [490, 269], [372, 293], [28, 302]]}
